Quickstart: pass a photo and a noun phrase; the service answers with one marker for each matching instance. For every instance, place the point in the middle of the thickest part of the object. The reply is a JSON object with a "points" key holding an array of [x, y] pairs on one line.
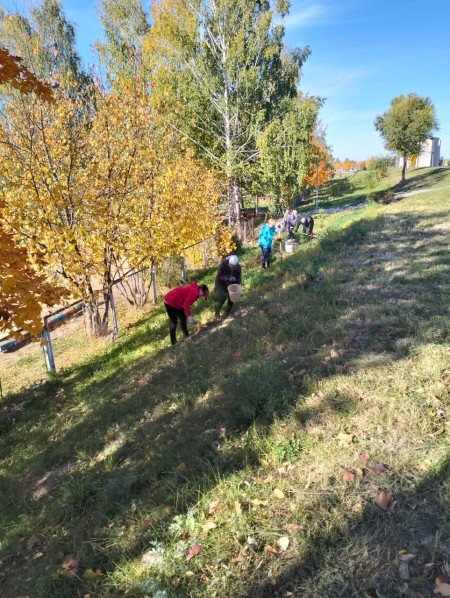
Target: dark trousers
{"points": [[175, 314], [219, 299], [308, 230], [290, 227], [265, 257]]}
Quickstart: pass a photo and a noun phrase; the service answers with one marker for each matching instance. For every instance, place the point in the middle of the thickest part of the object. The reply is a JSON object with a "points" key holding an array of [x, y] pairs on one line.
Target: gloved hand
{"points": [[191, 320], [232, 279]]}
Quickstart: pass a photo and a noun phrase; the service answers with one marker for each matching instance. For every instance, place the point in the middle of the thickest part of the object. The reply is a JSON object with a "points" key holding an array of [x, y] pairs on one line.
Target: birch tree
{"points": [[124, 24], [221, 67]]}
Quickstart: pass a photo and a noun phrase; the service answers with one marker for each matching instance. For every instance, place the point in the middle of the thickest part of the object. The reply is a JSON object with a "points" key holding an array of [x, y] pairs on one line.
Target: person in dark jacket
{"points": [[178, 303], [308, 224], [228, 272]]}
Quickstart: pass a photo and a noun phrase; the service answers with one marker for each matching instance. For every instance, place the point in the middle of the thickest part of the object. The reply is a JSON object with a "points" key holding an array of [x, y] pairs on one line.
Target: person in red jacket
{"points": [[178, 303]]}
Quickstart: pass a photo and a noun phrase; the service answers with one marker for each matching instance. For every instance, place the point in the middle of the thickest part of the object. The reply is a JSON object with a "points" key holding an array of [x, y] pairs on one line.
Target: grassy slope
{"points": [[338, 351]]}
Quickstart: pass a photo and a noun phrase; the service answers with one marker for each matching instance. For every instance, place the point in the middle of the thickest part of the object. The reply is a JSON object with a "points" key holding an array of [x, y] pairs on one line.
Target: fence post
{"points": [[153, 275], [113, 313], [205, 255], [183, 269], [47, 346]]}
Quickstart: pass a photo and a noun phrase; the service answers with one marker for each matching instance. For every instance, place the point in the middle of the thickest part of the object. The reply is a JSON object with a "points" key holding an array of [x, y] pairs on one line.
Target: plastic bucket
{"points": [[290, 247], [234, 291]]}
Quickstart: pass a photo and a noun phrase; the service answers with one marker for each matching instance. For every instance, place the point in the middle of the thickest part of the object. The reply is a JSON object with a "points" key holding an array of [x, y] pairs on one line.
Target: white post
{"points": [[47, 346]]}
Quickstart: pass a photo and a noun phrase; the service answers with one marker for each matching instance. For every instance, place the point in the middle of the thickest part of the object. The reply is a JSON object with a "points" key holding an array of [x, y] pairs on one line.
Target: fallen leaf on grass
{"points": [[348, 476], [364, 457], [379, 468], [345, 438], [385, 502], [37, 555], [258, 503], [209, 525], [334, 354], [252, 541], [194, 551], [443, 589], [92, 575], [405, 558], [283, 542], [69, 568], [270, 549], [181, 467], [278, 493]]}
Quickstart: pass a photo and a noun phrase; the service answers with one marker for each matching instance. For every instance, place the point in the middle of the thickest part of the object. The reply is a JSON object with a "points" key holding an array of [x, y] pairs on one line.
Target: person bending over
{"points": [[308, 224], [178, 303]]}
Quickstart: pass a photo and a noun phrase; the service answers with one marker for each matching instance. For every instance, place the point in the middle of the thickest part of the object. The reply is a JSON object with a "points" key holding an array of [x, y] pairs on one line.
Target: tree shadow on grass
{"points": [[158, 430], [375, 553], [429, 177]]}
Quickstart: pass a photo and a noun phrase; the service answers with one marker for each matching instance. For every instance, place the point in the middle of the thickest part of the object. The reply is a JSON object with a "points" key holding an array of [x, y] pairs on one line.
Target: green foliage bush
{"points": [[379, 167], [339, 187]]}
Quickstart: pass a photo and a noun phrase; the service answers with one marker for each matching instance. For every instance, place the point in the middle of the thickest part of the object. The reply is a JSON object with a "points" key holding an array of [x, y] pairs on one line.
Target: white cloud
{"points": [[312, 15], [329, 81]]}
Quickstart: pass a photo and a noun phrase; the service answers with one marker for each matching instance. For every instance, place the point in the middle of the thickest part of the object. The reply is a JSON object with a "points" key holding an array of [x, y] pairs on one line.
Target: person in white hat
{"points": [[228, 272]]}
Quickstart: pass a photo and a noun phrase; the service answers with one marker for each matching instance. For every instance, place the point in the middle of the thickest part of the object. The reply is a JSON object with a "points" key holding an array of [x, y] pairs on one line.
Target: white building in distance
{"points": [[430, 155]]}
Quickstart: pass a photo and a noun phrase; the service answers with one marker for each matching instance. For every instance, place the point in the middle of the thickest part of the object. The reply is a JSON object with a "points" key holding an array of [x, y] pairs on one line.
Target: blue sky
{"points": [[364, 53]]}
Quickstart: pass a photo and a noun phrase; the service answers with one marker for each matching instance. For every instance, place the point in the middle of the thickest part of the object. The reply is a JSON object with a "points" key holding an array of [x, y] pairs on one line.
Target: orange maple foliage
{"points": [[13, 72], [319, 155]]}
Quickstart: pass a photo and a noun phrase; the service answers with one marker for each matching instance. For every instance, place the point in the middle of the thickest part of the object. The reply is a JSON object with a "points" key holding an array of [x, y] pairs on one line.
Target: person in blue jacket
{"points": [[265, 238]]}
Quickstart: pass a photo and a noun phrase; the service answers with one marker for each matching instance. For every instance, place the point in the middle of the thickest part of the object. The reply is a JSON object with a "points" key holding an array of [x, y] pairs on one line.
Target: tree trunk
{"points": [[95, 325], [405, 161]]}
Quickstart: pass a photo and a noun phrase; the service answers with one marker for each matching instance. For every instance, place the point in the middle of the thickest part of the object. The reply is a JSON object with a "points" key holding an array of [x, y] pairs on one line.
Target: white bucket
{"points": [[234, 291], [290, 246]]}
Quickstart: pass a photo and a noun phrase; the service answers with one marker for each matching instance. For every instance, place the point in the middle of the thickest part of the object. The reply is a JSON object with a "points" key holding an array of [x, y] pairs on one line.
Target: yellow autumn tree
{"points": [[94, 183]]}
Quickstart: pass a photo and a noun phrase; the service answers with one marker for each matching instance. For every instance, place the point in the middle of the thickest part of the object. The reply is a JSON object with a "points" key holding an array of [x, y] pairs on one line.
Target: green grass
{"points": [[352, 190], [239, 436]]}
